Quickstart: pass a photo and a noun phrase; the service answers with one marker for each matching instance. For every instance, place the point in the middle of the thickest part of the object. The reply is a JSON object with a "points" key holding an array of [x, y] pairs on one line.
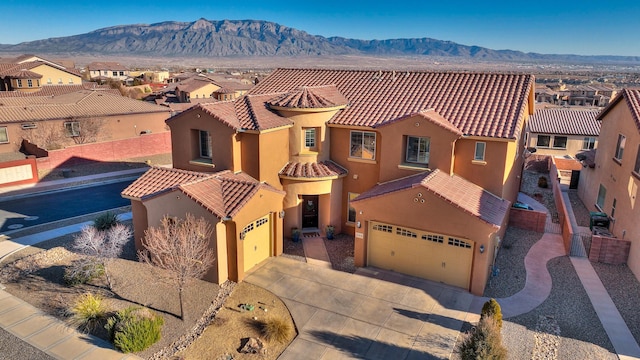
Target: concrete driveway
{"points": [[372, 314]]}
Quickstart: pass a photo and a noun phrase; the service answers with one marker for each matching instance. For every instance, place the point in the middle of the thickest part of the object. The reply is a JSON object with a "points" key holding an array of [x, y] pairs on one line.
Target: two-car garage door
{"points": [[256, 241], [419, 253]]}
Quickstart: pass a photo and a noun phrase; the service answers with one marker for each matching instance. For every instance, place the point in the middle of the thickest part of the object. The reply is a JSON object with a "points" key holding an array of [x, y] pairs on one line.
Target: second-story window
{"points": [[310, 139], [363, 145], [417, 150], [115, 73], [480, 148], [620, 147], [543, 141], [588, 143], [559, 142], [19, 83], [205, 144], [29, 83]]}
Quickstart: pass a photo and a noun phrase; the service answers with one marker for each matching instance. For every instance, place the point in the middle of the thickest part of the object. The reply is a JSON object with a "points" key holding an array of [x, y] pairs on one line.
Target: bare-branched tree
{"points": [[103, 245], [47, 135], [90, 131], [182, 248]]}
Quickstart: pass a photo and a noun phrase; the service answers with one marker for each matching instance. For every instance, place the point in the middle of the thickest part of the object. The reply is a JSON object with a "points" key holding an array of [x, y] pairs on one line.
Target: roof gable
{"points": [[632, 98], [479, 104], [433, 117]]}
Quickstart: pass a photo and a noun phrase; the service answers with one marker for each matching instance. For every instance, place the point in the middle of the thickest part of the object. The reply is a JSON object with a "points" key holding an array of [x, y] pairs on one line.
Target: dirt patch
{"points": [[99, 167]]}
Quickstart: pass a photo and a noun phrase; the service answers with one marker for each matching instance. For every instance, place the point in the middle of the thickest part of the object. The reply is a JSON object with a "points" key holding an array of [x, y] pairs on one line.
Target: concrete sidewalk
{"points": [[45, 332]]}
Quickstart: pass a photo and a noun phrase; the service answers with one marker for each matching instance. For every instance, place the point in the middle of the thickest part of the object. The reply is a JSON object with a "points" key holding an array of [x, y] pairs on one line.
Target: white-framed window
{"points": [[310, 138], [121, 73], [49, 81], [205, 144], [602, 194], [622, 140], [59, 81], [588, 143], [70, 81], [543, 141], [4, 135], [19, 83], [29, 83], [72, 128], [559, 142], [480, 149], [115, 73], [363, 144], [418, 150], [351, 211]]}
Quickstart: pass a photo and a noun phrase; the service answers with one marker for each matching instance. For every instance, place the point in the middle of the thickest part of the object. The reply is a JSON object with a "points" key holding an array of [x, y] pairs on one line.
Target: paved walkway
{"points": [[43, 331]]}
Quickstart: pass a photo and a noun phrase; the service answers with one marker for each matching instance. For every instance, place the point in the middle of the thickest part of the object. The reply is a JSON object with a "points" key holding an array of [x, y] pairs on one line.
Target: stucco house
{"points": [[104, 70], [610, 181], [29, 73], [560, 132], [398, 159]]}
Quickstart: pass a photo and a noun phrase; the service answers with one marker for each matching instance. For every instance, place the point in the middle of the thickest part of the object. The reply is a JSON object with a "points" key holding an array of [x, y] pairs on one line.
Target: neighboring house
{"points": [[195, 88], [610, 183], [76, 117], [30, 73], [546, 95], [420, 167], [104, 70], [593, 95], [244, 214], [560, 132]]}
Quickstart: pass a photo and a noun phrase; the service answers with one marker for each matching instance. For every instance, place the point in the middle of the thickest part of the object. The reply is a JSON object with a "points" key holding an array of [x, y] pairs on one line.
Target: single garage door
{"points": [[256, 241], [436, 257]]}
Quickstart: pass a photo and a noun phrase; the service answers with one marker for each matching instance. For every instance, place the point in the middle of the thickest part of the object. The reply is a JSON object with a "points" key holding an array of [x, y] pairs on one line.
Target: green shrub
{"points": [[542, 182], [483, 342], [492, 309], [88, 310], [276, 329], [82, 271], [134, 328], [106, 221]]}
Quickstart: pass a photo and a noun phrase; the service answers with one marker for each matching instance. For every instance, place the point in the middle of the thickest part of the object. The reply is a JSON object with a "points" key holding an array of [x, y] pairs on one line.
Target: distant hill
{"points": [[205, 38]]}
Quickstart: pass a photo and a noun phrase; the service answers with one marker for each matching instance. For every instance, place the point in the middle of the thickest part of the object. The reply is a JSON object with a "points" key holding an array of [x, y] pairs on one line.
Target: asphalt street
{"points": [[61, 204]]}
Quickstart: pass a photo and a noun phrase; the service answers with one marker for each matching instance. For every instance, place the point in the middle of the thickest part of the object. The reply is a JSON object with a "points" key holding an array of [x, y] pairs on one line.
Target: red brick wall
{"points": [[34, 171], [527, 219], [144, 145], [609, 250]]}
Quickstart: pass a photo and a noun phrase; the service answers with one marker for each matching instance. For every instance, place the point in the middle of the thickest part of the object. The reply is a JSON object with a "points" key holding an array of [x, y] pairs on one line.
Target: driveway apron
{"points": [[372, 314]]}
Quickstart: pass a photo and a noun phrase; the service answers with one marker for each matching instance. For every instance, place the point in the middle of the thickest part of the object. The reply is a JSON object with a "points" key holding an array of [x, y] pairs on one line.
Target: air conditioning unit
{"points": [[27, 126]]}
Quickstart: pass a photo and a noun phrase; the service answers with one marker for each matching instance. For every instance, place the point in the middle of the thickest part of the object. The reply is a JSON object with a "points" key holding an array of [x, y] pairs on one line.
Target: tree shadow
{"points": [[444, 321]]}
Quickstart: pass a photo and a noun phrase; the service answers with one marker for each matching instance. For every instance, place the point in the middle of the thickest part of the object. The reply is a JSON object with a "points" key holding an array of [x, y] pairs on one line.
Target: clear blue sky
{"points": [[585, 27]]}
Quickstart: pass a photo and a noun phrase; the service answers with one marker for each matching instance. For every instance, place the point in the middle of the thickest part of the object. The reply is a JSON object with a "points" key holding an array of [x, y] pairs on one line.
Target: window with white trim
{"points": [[205, 144], [479, 153], [543, 141], [4, 135], [351, 212], [72, 128], [559, 142], [29, 83], [588, 143], [310, 142], [19, 83], [363, 145], [417, 150], [622, 140], [602, 194]]}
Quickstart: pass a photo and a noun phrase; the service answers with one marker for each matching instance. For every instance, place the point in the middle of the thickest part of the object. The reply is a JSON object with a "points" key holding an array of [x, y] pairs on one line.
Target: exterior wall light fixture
{"points": [[281, 214], [481, 249], [358, 225]]}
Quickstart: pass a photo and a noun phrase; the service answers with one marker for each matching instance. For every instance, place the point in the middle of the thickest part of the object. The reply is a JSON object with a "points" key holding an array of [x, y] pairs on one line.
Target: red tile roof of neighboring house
{"points": [[223, 193], [195, 83], [565, 122], [9, 68], [158, 179], [457, 191], [632, 98], [24, 74], [479, 104], [312, 170], [310, 97], [57, 90], [567, 164]]}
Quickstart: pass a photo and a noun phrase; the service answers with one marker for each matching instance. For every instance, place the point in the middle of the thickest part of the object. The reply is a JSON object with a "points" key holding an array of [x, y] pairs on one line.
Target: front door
{"points": [[310, 211]]}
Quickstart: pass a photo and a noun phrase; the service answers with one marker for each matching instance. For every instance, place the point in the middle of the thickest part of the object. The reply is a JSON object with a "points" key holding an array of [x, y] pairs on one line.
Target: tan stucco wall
{"points": [[186, 145], [362, 174], [434, 215], [489, 174], [393, 139], [574, 145], [618, 179], [303, 120], [54, 74], [140, 222], [175, 203], [329, 208], [274, 147]]}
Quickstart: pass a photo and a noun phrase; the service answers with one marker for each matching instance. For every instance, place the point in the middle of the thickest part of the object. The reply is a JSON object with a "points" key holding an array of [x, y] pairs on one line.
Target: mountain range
{"points": [[228, 38]]}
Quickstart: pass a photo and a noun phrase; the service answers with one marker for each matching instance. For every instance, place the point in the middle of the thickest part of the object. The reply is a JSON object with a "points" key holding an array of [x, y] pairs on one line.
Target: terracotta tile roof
{"points": [[193, 84], [567, 164], [247, 113], [457, 191], [57, 90], [158, 179], [312, 170], [77, 105], [224, 90], [10, 68], [432, 116], [565, 121], [223, 193], [632, 98], [24, 74], [480, 104], [310, 97]]}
